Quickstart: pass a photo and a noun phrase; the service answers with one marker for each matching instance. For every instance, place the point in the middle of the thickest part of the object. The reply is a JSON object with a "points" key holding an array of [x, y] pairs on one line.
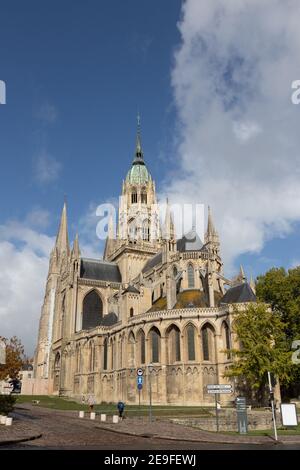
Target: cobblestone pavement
{"points": [[65, 430]]}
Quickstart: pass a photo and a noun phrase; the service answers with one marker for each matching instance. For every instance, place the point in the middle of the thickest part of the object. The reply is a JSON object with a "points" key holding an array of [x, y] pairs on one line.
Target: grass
{"points": [[294, 431], [59, 403]]}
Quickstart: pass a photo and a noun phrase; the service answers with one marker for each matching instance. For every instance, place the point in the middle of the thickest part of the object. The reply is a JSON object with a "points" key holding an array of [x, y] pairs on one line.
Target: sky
{"points": [[212, 83]]}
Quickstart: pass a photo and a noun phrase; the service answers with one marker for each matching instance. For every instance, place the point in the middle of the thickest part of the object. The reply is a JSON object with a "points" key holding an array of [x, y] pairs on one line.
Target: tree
{"points": [[14, 358], [281, 289], [263, 348]]}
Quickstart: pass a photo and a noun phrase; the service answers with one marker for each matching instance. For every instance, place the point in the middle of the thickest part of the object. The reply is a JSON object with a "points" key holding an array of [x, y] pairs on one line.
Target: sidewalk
{"points": [[20, 431], [164, 429]]}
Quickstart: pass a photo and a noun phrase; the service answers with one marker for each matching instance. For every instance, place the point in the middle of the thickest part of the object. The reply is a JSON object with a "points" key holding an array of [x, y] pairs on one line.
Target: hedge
{"points": [[7, 403]]}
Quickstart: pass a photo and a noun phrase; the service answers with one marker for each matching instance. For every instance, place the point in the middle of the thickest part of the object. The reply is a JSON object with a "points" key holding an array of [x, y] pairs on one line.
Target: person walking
{"points": [[121, 407], [91, 402]]}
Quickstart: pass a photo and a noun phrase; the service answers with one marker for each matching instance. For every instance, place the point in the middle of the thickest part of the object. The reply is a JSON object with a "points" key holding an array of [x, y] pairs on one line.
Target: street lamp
{"points": [[150, 391]]}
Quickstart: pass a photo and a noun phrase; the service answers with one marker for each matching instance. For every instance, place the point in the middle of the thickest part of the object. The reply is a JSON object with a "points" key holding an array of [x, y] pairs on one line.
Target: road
{"points": [[64, 431]]}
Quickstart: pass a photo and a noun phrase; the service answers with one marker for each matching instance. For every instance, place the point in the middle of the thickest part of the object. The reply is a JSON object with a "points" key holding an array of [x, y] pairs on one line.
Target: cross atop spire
{"points": [[138, 150]]}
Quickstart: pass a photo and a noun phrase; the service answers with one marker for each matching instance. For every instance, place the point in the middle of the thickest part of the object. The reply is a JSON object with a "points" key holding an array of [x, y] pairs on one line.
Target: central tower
{"points": [[138, 232]]}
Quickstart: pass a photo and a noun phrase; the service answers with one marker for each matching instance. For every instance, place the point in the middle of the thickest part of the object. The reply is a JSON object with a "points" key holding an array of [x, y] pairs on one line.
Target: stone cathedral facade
{"points": [[154, 302]]}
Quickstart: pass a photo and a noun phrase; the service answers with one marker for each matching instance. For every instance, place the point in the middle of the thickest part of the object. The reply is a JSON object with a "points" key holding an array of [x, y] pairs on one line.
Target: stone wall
{"points": [[259, 420]]}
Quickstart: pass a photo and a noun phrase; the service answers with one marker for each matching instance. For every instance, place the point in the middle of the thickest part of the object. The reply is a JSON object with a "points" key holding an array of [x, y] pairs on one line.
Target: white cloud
{"points": [[24, 258], [238, 130], [47, 168]]}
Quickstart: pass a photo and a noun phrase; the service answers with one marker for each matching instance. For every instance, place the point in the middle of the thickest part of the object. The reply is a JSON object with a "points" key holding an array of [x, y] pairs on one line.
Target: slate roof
{"points": [[109, 319], [152, 262], [132, 289], [190, 242], [99, 270], [239, 294]]}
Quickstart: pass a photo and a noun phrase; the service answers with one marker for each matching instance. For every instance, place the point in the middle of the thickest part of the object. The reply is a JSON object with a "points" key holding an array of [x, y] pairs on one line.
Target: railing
{"points": [[181, 312]]}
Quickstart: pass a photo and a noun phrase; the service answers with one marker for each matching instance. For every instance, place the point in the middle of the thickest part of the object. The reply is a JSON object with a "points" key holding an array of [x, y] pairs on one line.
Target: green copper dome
{"points": [[138, 174]]}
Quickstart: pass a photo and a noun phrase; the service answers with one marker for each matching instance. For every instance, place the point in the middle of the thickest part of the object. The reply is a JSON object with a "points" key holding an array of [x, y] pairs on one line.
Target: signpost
{"points": [[217, 389], [272, 405], [139, 381], [241, 409]]}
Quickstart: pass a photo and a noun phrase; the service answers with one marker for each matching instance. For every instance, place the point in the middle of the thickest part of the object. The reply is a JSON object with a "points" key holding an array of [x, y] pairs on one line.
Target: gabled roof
{"points": [[152, 262], [239, 294], [131, 289], [190, 242], [99, 270]]}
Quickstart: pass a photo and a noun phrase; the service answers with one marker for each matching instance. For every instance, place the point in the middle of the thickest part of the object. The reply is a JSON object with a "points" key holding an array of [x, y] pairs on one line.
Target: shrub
{"points": [[7, 403]]}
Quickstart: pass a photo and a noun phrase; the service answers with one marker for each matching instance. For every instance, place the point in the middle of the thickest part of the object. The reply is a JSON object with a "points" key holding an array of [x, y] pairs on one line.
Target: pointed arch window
{"points": [[174, 353], [132, 230], [134, 198], [92, 310], [191, 276], [208, 343], [155, 345], [142, 347], [144, 198], [191, 343], [105, 354], [146, 230]]}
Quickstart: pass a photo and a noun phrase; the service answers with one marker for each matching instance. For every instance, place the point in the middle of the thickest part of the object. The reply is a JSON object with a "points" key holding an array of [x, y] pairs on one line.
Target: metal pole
{"points": [[217, 412], [139, 398], [272, 404], [150, 394]]}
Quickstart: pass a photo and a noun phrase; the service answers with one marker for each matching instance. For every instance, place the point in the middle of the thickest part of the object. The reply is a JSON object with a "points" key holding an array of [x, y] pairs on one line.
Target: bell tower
{"points": [[138, 233]]}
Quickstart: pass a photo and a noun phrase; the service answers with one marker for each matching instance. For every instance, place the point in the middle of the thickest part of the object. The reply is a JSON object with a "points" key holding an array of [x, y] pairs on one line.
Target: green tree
{"points": [[281, 289], [14, 358], [263, 348]]}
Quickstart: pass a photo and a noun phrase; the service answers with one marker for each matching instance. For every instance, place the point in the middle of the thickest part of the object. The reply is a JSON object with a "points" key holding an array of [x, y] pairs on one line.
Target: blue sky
{"points": [[77, 73]]}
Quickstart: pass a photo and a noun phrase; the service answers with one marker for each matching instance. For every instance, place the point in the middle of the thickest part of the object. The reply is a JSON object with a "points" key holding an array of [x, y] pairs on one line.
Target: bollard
{"points": [[2, 419], [8, 421], [103, 417], [115, 419], [93, 415], [81, 414]]}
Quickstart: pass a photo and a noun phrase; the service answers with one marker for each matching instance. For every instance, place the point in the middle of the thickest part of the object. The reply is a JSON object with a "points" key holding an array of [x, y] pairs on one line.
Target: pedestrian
{"points": [[91, 402], [121, 407]]}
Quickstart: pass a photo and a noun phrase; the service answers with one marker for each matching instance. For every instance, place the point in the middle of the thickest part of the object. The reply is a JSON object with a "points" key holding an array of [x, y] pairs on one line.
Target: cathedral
{"points": [[154, 302]]}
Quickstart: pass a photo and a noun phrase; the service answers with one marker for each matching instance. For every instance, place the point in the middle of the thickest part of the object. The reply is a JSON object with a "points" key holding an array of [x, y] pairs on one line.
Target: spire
{"points": [[211, 233], [62, 239], [139, 156], [169, 224], [76, 250], [210, 225], [242, 274], [252, 284]]}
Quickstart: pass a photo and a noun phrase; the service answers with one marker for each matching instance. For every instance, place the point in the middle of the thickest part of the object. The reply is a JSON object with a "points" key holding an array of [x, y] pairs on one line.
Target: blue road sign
{"points": [[140, 379], [140, 386]]}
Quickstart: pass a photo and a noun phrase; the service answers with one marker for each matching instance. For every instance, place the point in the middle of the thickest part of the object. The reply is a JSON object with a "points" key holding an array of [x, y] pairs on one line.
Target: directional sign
{"points": [[219, 388], [140, 372], [140, 379], [140, 386]]}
